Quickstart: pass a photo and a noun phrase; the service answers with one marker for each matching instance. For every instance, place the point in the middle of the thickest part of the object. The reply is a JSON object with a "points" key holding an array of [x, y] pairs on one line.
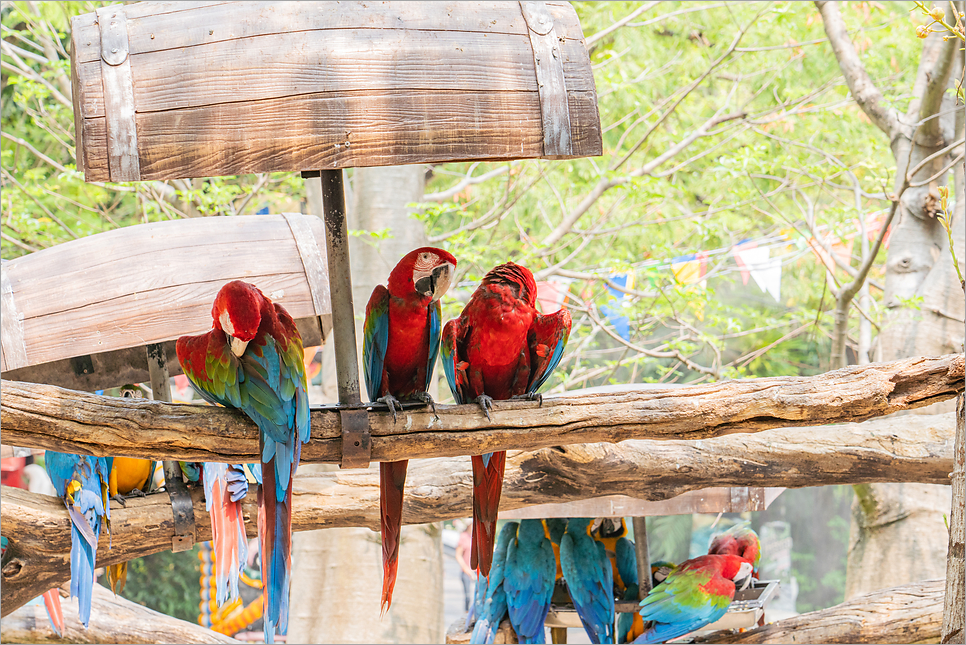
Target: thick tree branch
{"points": [[863, 90], [114, 619], [44, 416], [910, 449], [910, 613]]}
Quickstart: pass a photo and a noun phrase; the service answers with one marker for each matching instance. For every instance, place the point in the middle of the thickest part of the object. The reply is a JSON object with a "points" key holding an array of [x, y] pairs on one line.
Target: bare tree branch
{"points": [[590, 40]]}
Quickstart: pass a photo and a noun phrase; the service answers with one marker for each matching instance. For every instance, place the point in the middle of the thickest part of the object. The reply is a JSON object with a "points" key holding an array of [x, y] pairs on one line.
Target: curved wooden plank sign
{"points": [[166, 90]]}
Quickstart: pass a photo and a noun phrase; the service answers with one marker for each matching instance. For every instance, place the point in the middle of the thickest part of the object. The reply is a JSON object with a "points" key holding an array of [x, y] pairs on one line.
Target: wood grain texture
{"points": [[156, 282], [118, 84], [346, 84], [911, 613], [954, 606], [908, 449], [114, 619], [39, 416]]}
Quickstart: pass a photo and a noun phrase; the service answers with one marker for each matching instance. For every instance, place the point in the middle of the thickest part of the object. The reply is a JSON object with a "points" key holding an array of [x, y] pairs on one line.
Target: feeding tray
{"points": [[167, 90]]}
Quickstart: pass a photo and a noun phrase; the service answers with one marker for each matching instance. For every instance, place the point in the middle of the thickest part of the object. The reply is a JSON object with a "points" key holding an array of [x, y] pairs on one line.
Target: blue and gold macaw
{"points": [[590, 579], [82, 482], [555, 527], [495, 605], [129, 476], [528, 578]]}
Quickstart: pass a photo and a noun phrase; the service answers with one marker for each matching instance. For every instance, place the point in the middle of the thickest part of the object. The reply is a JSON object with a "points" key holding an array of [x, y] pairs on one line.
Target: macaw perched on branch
{"points": [[401, 342], [695, 594], [253, 360], [495, 605], [555, 527], [590, 579], [82, 482], [612, 533], [129, 476], [499, 348], [741, 541], [528, 578]]}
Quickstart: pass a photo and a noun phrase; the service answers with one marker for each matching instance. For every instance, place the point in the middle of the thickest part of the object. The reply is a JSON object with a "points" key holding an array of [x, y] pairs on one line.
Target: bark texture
{"points": [[954, 608], [905, 520], [911, 613], [113, 620], [43, 416], [916, 449]]}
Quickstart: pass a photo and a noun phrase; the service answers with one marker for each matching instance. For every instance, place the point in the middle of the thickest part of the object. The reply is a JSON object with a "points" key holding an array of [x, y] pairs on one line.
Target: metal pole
{"points": [[643, 557], [340, 286]]}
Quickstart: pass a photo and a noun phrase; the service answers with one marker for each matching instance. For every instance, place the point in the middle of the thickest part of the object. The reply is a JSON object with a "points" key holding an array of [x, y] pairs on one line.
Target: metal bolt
{"points": [[114, 50]]}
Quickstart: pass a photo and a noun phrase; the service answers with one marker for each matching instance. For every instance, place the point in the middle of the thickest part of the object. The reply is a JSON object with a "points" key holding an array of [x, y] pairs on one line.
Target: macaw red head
{"points": [[741, 541], [427, 271], [237, 312], [742, 577], [517, 276]]}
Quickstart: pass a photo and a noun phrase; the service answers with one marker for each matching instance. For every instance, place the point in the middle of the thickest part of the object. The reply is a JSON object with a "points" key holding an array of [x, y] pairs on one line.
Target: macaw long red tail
{"points": [[227, 532], [275, 531], [487, 486], [54, 611], [392, 481]]}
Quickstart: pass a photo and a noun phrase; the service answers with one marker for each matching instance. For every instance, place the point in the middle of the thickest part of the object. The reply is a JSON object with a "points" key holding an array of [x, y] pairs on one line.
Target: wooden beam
{"points": [[911, 613], [39, 416], [906, 449], [113, 620]]}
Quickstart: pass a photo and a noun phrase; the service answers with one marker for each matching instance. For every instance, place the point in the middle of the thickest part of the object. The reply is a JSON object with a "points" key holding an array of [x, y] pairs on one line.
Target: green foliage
{"points": [[166, 582]]}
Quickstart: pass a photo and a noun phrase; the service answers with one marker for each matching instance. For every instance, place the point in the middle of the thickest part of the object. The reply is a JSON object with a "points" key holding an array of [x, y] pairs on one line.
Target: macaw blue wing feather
{"points": [[435, 329], [375, 335], [590, 580], [529, 575]]}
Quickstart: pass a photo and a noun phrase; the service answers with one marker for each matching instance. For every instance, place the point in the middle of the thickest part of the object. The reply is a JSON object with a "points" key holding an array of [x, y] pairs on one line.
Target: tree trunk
{"points": [[905, 520], [338, 572], [954, 608]]}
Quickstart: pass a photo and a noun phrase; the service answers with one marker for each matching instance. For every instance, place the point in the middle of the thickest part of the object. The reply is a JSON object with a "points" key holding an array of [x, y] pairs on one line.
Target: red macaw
{"points": [[252, 360], [499, 348], [697, 593], [401, 342], [741, 541]]}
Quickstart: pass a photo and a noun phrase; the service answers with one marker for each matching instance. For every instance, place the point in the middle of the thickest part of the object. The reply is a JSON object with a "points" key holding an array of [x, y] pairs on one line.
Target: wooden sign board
{"points": [[166, 90], [79, 314]]}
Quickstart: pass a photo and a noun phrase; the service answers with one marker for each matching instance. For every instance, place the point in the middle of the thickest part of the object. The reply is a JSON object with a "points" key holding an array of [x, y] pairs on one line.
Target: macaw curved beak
{"points": [[436, 282], [238, 346], [742, 579]]}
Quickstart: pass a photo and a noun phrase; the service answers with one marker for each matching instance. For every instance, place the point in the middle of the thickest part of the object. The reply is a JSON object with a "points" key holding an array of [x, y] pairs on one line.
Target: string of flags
{"points": [[753, 260]]}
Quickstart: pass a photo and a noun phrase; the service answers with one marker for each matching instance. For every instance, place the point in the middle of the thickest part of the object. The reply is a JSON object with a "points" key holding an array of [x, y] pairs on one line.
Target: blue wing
{"points": [[495, 605], [587, 570], [435, 325], [529, 576], [626, 561], [547, 339], [451, 360], [678, 606], [375, 333]]}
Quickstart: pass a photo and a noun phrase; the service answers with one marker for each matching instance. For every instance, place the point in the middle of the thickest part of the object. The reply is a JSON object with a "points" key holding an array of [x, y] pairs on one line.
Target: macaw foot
{"points": [[137, 492], [428, 400], [486, 403], [392, 402], [532, 396], [119, 499]]}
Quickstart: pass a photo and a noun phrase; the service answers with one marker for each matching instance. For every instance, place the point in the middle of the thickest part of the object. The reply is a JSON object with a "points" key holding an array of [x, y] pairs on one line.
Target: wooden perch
{"points": [[113, 620], [39, 416], [911, 613], [904, 449]]}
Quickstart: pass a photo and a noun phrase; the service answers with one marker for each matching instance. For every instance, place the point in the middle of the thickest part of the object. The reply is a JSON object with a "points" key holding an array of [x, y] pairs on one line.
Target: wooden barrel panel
{"points": [[152, 283], [234, 88]]}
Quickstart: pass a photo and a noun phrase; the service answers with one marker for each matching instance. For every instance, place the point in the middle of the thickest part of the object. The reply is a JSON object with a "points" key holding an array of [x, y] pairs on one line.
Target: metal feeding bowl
{"points": [[744, 612]]}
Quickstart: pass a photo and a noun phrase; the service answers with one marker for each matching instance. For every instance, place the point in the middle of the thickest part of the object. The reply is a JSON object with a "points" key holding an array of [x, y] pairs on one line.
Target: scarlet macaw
{"points": [[401, 342], [695, 594], [528, 578], [499, 348], [495, 605], [129, 476], [82, 482], [590, 579], [252, 360]]}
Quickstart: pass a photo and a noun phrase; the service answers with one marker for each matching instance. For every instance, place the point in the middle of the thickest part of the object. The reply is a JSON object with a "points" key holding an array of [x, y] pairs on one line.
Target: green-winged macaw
{"points": [[590, 579], [252, 360], [528, 578], [695, 594], [495, 605], [401, 343], [499, 348], [739, 540], [82, 482]]}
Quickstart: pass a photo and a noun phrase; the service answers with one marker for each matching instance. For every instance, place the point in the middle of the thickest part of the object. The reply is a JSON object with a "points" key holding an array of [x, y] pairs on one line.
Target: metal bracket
{"points": [[182, 506], [356, 440]]}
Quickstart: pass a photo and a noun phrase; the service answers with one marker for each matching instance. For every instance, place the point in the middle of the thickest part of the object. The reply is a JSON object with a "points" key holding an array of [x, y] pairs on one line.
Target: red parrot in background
{"points": [[499, 348], [252, 360], [401, 342], [740, 541]]}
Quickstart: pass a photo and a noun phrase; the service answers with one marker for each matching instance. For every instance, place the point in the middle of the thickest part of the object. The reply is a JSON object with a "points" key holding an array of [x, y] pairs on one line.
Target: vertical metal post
{"points": [[356, 441], [643, 557], [181, 505]]}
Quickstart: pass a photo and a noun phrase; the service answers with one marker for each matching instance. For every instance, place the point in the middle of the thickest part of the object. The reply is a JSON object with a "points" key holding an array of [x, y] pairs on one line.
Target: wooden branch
{"points": [[910, 449], [40, 416], [863, 90], [113, 620], [911, 613], [954, 608]]}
